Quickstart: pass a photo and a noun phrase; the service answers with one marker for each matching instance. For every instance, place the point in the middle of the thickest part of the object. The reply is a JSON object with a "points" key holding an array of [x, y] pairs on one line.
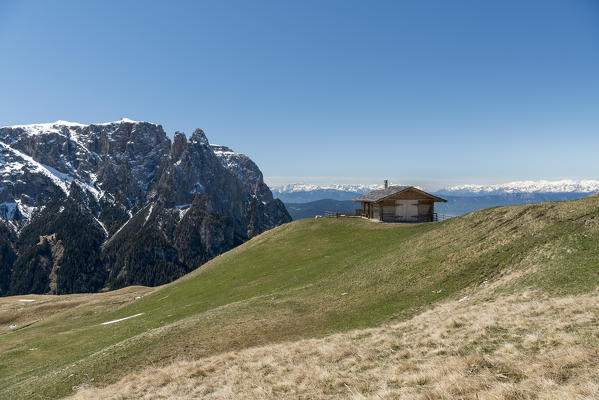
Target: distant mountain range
{"points": [[102, 206], [304, 193], [562, 186], [305, 201], [302, 187], [294, 192]]}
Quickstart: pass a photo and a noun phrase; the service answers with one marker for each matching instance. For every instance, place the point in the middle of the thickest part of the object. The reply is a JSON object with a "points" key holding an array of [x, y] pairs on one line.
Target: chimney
{"points": [[386, 182]]}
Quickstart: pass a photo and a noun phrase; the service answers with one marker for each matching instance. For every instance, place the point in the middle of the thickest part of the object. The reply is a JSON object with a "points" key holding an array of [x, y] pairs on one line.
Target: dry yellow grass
{"points": [[520, 346]]}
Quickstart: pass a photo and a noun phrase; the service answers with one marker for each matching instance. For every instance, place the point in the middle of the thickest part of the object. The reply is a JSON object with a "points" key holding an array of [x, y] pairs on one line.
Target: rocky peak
{"points": [[245, 169], [178, 146], [198, 136]]}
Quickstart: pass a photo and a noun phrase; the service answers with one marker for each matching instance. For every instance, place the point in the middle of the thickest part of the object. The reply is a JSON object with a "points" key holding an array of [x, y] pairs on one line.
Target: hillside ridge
{"points": [[307, 279]]}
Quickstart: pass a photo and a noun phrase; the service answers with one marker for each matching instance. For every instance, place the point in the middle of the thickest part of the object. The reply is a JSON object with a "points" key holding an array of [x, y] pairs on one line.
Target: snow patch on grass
{"points": [[121, 319]]}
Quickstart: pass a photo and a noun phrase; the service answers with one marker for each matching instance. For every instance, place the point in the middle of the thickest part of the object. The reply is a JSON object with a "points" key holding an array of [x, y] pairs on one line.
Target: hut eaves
{"points": [[380, 194]]}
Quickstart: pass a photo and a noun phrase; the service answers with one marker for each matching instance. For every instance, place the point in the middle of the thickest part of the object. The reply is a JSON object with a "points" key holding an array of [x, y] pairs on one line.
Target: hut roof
{"points": [[380, 194]]}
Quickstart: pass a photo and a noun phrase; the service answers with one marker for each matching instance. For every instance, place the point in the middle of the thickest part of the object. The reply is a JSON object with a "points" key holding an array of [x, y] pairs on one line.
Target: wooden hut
{"points": [[398, 204]]}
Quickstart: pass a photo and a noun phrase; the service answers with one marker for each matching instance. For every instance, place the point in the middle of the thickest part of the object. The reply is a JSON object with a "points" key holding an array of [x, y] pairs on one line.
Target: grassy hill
{"points": [[306, 279]]}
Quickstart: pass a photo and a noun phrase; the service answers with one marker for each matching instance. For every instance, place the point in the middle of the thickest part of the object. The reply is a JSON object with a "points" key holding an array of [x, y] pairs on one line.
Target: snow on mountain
{"points": [[303, 193], [542, 186], [304, 187], [24, 161], [227, 155], [110, 159], [245, 169], [118, 162], [50, 126]]}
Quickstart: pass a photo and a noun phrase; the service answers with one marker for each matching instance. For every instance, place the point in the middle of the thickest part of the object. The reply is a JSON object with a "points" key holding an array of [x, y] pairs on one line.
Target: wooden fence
{"points": [[390, 217], [441, 217]]}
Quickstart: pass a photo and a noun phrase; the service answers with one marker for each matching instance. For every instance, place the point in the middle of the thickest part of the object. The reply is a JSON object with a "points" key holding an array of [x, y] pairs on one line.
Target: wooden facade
{"points": [[399, 204]]}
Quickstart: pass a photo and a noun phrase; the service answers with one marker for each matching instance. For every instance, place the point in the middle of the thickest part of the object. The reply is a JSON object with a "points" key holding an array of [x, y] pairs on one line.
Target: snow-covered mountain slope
{"points": [[542, 186], [115, 161], [157, 207]]}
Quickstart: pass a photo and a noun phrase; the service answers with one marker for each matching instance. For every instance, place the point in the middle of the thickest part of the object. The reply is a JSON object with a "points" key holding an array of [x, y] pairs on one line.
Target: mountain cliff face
{"points": [[87, 207]]}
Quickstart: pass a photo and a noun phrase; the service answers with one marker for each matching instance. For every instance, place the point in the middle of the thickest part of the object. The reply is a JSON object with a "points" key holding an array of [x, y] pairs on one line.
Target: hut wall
{"points": [[389, 214], [404, 210], [375, 211], [426, 208], [408, 206]]}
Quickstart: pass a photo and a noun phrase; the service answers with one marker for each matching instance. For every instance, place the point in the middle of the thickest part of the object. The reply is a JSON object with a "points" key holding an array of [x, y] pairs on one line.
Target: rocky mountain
{"points": [[88, 207]]}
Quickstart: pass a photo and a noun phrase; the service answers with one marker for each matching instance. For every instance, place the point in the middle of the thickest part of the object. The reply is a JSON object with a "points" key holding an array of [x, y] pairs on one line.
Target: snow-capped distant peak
{"points": [[542, 186], [306, 187]]}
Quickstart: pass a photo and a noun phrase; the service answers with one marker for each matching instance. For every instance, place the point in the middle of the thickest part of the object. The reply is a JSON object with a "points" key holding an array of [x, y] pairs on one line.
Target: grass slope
{"points": [[305, 279], [513, 347]]}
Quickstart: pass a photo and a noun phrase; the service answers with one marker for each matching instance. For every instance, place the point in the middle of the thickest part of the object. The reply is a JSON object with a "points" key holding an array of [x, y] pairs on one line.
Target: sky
{"points": [[419, 92]]}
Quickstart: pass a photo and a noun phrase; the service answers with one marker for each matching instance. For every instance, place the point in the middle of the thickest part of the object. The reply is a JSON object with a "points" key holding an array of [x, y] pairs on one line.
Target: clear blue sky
{"points": [[424, 92]]}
